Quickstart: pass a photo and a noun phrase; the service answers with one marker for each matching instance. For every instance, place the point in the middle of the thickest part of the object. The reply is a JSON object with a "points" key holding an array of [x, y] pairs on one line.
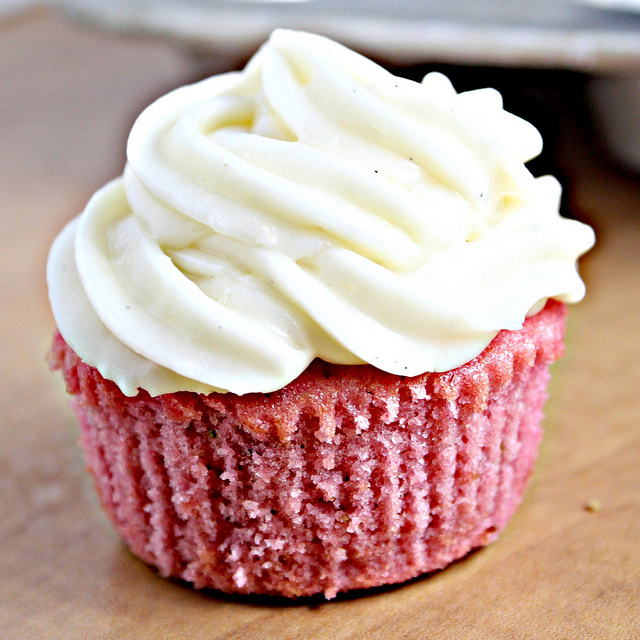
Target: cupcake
{"points": [[308, 332]]}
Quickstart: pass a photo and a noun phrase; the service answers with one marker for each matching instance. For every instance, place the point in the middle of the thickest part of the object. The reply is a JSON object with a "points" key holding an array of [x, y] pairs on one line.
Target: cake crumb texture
{"points": [[346, 478]]}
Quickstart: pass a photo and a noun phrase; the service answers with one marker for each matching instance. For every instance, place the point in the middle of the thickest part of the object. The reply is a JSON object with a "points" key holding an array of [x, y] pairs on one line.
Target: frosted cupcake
{"points": [[308, 332]]}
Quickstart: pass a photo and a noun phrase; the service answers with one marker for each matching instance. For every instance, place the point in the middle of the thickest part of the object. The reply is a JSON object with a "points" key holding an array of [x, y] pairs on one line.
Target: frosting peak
{"points": [[312, 205]]}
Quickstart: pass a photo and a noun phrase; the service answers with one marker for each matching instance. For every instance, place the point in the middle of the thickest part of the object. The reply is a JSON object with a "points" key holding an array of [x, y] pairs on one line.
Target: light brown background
{"points": [[68, 96]]}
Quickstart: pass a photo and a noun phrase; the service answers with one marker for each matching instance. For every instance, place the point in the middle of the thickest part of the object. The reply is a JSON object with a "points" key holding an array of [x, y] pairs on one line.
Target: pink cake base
{"points": [[346, 478]]}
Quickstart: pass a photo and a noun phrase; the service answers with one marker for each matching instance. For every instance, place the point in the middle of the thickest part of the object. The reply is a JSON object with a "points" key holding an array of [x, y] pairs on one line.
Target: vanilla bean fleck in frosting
{"points": [[312, 205]]}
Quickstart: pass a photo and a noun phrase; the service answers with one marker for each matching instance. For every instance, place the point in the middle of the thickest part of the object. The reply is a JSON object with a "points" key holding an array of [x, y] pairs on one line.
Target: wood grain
{"points": [[68, 96]]}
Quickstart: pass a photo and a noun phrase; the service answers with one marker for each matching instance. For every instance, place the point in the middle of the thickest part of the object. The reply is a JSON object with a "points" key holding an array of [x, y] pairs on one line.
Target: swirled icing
{"points": [[312, 205]]}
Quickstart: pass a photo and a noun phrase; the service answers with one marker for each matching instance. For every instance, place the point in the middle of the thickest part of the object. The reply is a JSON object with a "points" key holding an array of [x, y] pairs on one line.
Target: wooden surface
{"points": [[67, 98]]}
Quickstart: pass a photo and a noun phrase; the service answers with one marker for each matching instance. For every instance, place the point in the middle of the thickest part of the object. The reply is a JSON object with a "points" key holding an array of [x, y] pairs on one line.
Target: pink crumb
{"points": [[346, 478]]}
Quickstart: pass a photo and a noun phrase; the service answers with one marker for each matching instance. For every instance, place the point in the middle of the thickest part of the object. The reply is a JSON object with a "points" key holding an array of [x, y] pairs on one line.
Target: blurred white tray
{"points": [[597, 36], [570, 34]]}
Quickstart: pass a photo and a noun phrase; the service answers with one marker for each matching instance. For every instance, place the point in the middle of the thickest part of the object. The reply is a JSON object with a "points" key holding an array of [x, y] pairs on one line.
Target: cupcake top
{"points": [[312, 205]]}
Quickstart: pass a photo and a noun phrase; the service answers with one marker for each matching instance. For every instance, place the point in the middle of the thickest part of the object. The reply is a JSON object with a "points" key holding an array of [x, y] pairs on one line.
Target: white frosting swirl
{"points": [[313, 205]]}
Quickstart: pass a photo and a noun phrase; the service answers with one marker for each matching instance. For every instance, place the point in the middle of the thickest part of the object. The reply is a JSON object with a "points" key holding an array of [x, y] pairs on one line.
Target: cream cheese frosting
{"points": [[312, 205]]}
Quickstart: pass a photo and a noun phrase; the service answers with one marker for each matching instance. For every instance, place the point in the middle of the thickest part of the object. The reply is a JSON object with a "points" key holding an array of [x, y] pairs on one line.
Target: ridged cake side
{"points": [[346, 478]]}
